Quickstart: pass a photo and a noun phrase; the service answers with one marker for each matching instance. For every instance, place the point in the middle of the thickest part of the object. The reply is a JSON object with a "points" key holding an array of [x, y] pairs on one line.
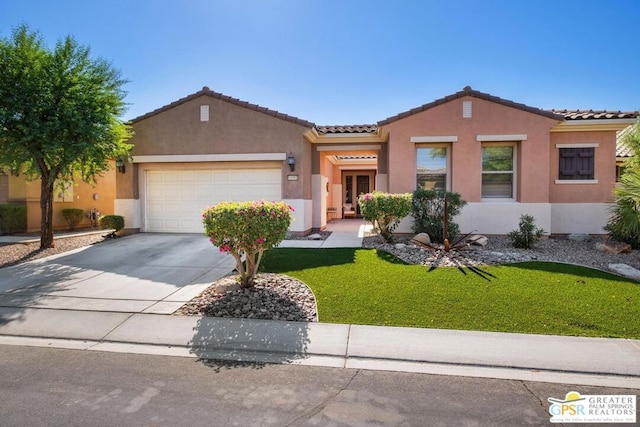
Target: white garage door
{"points": [[175, 199]]}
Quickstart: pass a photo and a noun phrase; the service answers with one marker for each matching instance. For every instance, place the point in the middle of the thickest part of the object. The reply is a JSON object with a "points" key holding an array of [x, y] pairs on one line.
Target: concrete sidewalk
{"points": [[118, 296], [568, 360], [346, 233]]}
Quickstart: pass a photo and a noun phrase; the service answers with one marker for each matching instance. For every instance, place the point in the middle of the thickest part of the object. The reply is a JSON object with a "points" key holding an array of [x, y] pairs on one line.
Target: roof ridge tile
{"points": [[468, 91]]}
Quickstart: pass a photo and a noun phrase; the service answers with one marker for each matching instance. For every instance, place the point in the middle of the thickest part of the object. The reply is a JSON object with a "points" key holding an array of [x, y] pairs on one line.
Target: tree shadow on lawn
{"points": [[278, 260], [566, 268]]}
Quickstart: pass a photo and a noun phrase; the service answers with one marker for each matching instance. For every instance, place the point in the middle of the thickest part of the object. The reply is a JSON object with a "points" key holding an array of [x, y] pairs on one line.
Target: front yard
{"points": [[366, 286]]}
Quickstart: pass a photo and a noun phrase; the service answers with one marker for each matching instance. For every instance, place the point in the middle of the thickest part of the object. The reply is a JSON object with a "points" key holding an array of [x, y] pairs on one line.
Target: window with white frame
{"points": [[431, 171], [498, 175]]}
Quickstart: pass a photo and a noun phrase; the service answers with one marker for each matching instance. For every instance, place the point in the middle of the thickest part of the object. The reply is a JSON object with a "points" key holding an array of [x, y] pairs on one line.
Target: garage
{"points": [[174, 199]]}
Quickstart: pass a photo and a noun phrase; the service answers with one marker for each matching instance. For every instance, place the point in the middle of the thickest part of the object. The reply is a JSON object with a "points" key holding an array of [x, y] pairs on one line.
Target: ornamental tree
{"points": [[385, 211], [246, 230], [60, 115]]}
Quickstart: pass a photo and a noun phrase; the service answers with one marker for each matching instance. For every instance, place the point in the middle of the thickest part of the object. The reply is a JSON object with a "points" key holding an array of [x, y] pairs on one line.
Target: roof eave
{"points": [[593, 125]]}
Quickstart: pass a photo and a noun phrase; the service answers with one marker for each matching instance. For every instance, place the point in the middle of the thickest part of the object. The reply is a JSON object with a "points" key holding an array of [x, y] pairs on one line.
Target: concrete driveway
{"points": [[141, 273]]}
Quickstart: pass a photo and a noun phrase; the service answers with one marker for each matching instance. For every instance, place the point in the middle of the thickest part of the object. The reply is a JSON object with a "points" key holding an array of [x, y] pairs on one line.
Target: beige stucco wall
{"points": [[488, 118], [604, 168], [231, 129], [83, 198], [4, 188], [17, 188]]}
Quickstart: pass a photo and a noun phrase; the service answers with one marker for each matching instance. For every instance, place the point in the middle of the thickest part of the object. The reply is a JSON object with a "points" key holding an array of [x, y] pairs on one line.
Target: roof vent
{"points": [[466, 109], [204, 113]]}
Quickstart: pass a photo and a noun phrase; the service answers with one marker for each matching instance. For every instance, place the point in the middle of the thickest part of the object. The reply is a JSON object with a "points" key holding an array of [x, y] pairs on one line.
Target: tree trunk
{"points": [[46, 209]]}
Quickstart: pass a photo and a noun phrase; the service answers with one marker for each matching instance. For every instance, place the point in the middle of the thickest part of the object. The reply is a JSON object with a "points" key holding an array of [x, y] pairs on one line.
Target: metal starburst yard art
{"points": [[446, 246]]}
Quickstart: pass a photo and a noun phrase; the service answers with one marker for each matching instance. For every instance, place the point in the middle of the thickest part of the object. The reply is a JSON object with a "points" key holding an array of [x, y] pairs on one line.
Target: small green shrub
{"points": [[73, 216], [427, 209], [527, 233], [111, 221], [13, 218], [385, 211]]}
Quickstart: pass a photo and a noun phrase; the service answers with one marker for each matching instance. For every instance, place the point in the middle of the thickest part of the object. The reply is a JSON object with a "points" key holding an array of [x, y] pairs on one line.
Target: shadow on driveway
{"points": [[128, 274]]}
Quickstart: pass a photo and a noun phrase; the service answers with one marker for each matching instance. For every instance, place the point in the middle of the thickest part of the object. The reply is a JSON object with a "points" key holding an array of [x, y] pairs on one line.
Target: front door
{"points": [[354, 184]]}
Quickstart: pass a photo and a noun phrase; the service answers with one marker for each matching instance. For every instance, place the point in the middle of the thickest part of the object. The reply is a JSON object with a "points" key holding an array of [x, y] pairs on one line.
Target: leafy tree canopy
{"points": [[60, 114]]}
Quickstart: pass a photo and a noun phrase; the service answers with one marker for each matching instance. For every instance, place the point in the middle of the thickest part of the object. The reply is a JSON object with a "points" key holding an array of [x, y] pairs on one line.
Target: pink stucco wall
{"points": [[488, 118], [604, 168]]}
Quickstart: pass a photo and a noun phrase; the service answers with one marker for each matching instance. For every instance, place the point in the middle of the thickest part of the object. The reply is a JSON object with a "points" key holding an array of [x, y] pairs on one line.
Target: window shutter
{"points": [[576, 163]]}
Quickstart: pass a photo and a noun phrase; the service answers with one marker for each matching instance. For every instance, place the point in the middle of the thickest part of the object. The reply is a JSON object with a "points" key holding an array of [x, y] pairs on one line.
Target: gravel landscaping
{"points": [[15, 253], [272, 297], [499, 250]]}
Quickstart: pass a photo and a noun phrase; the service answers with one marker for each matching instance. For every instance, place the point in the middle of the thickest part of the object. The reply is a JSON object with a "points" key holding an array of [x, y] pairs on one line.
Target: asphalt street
{"points": [[44, 386]]}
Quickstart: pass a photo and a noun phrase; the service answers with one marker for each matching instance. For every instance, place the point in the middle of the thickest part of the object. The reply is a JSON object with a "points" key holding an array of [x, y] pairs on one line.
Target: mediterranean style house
{"points": [[504, 158]]}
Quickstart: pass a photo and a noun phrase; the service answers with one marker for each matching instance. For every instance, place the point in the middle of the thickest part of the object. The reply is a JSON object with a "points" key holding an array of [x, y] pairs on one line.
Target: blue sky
{"points": [[352, 62]]}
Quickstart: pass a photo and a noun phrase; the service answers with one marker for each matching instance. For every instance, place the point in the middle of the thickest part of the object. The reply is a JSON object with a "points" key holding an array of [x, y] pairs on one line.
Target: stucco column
{"points": [[382, 177]]}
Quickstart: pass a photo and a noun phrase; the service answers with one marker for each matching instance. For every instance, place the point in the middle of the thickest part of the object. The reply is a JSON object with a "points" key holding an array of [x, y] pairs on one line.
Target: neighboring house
{"points": [[4, 187], [79, 194], [504, 158]]}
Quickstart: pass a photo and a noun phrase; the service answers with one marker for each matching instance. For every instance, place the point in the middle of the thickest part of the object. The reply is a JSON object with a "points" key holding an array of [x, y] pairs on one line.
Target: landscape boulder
{"points": [[422, 238], [478, 240], [613, 247], [625, 271]]}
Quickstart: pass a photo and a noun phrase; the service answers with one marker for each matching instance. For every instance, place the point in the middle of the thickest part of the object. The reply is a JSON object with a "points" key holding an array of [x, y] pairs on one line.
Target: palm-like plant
{"points": [[624, 223]]}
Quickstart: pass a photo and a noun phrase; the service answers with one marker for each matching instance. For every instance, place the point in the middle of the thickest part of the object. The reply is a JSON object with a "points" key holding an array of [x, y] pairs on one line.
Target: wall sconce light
{"points": [[14, 171], [120, 165], [291, 161]]}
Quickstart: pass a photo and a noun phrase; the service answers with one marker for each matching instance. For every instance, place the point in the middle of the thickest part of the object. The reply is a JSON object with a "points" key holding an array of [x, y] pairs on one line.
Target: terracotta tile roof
{"points": [[355, 157], [208, 92], [595, 114], [341, 129], [622, 149], [467, 91]]}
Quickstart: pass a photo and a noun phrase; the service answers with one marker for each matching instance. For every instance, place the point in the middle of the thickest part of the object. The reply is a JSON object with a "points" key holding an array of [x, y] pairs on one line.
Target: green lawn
{"points": [[364, 286]]}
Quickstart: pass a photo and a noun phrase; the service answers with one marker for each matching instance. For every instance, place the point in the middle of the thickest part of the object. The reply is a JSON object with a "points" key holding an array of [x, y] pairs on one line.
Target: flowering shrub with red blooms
{"points": [[246, 230], [385, 210]]}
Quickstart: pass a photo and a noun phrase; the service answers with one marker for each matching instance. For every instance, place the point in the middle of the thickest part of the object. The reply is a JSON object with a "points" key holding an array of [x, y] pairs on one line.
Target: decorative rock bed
{"points": [[499, 250], [273, 297]]}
